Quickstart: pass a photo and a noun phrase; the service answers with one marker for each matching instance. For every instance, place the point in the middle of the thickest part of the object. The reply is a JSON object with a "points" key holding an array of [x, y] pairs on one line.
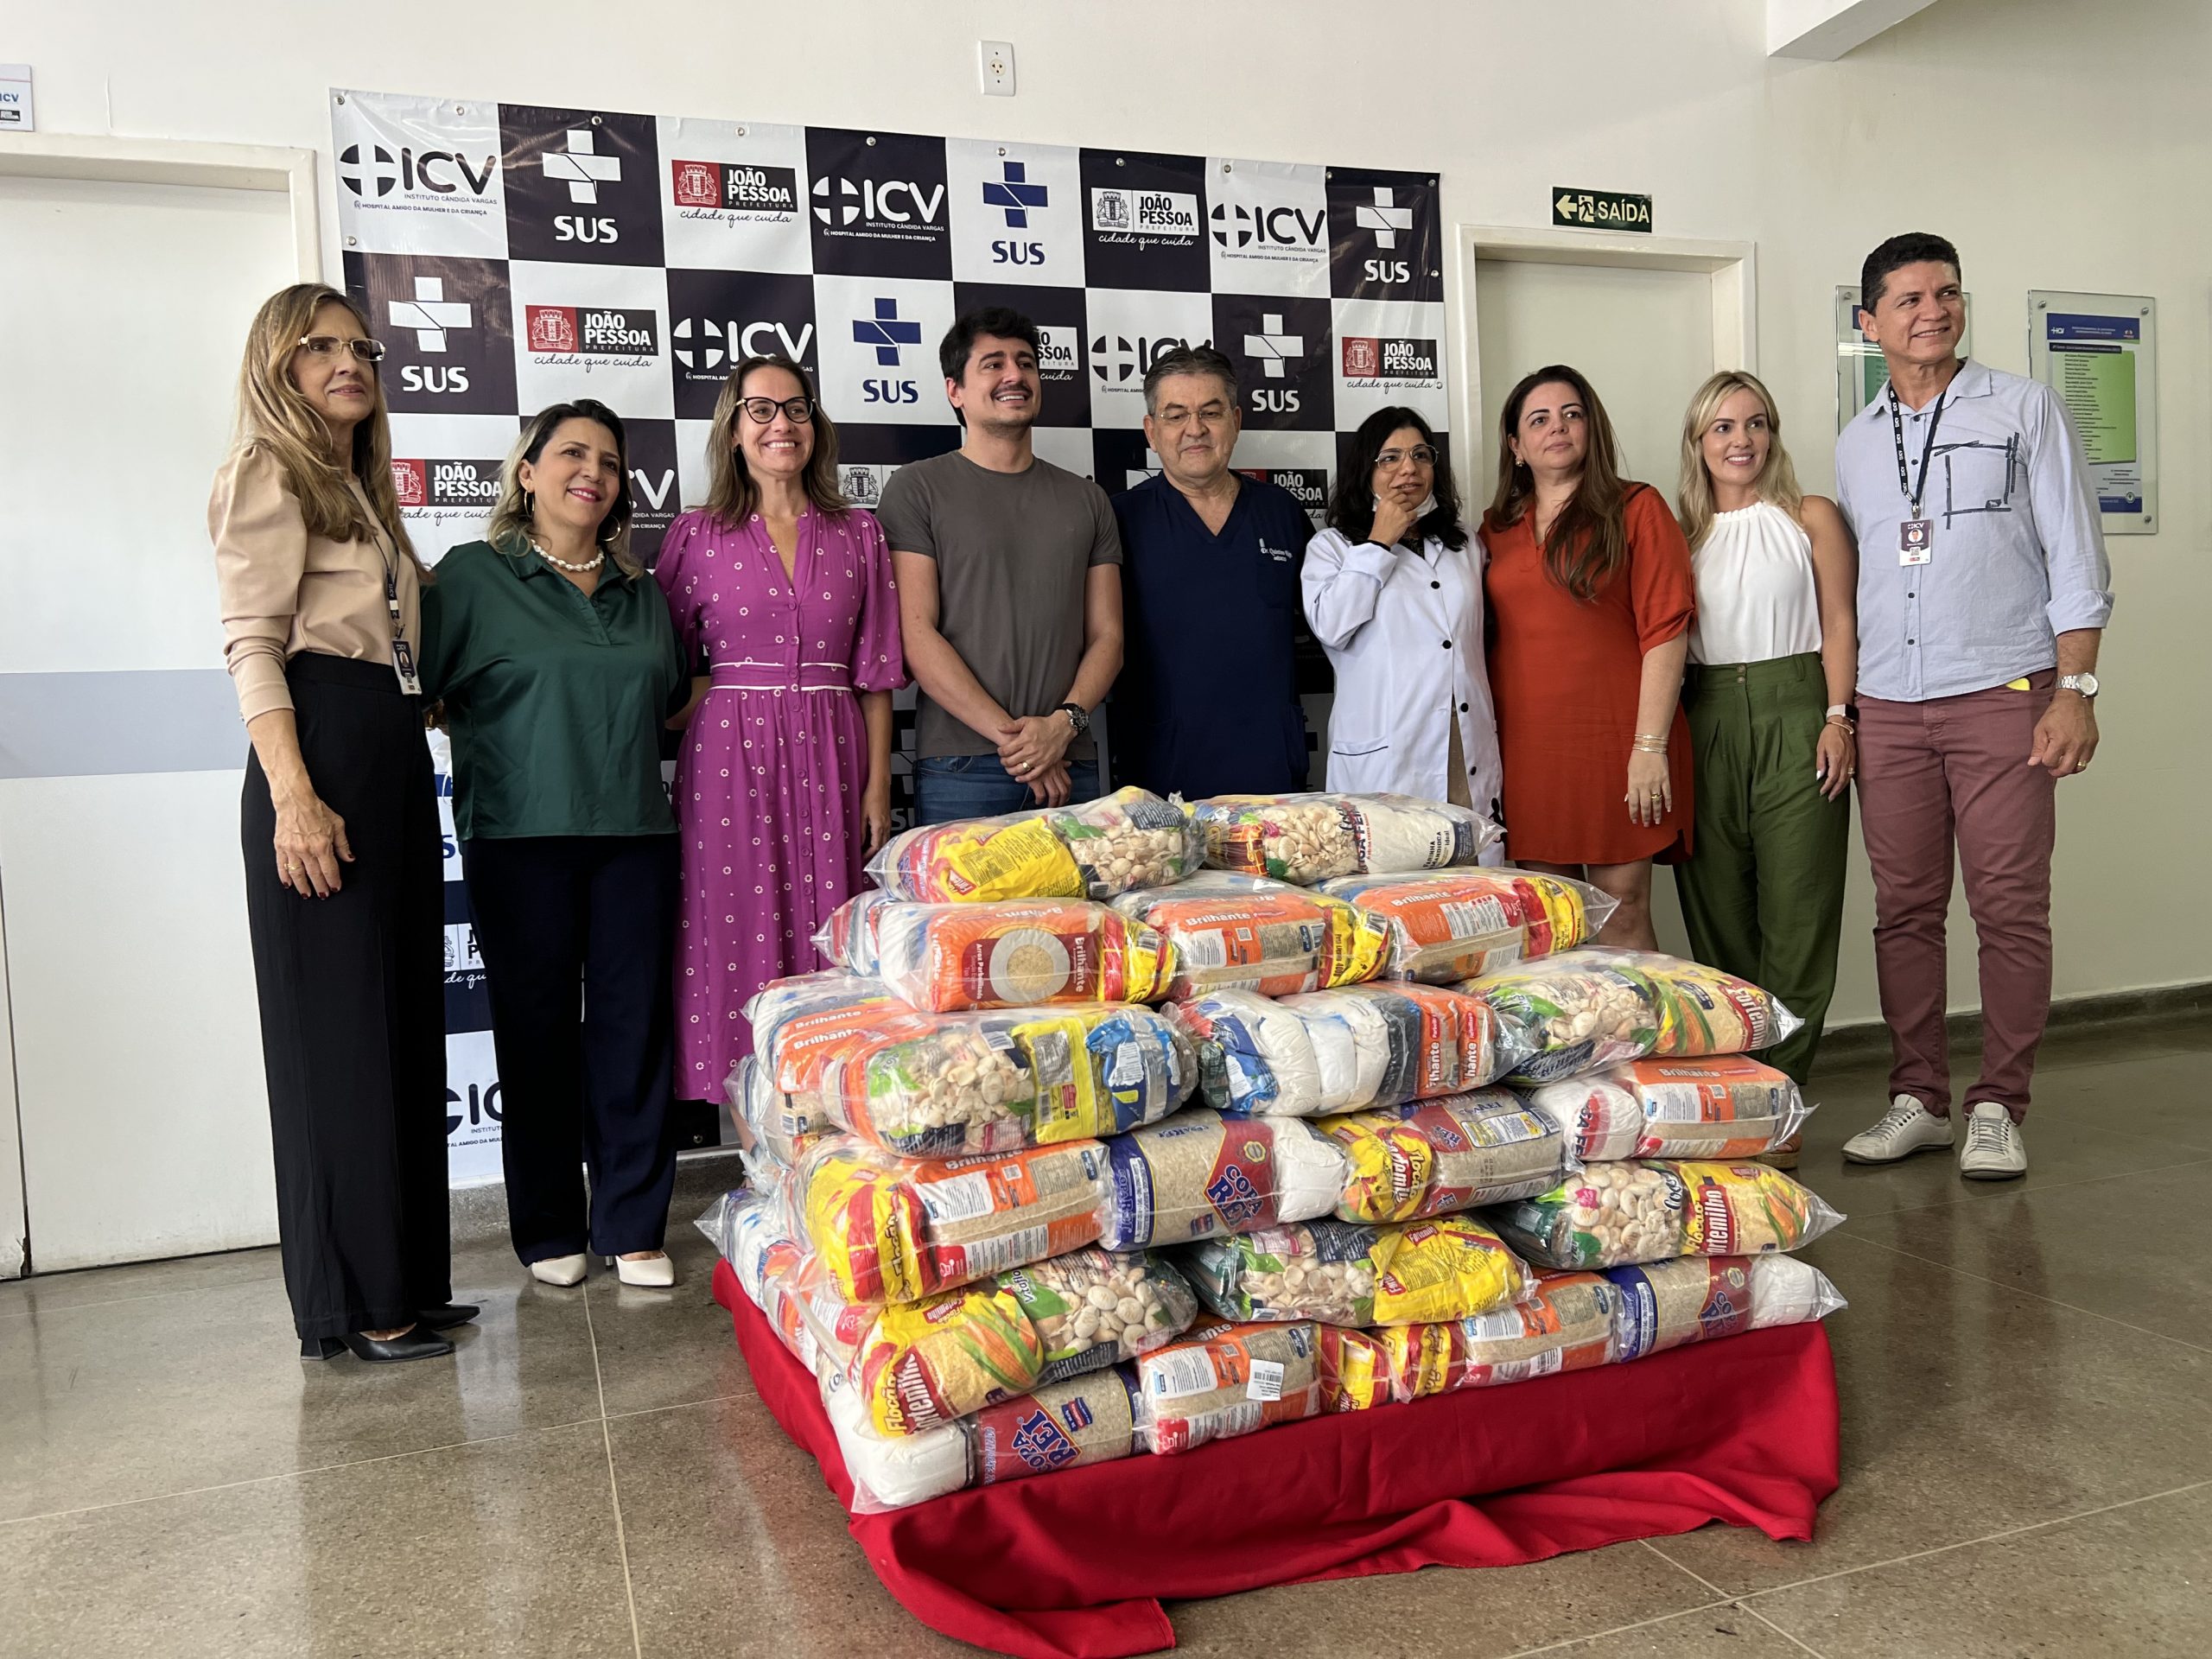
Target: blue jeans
{"points": [[979, 786]]}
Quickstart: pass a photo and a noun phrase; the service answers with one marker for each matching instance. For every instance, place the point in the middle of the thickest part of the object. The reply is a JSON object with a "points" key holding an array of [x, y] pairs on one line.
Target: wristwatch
{"points": [[1848, 711], [1079, 717], [2084, 684]]}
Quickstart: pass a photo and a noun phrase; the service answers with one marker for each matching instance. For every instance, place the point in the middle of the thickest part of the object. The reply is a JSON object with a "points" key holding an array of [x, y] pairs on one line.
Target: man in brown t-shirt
{"points": [[1010, 592]]}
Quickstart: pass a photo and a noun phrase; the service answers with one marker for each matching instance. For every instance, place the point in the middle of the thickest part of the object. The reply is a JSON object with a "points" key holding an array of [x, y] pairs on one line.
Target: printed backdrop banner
{"points": [[511, 256]]}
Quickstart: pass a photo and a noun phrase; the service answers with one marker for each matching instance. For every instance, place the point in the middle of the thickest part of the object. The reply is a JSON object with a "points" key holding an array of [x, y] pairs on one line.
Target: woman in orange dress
{"points": [[1588, 582]]}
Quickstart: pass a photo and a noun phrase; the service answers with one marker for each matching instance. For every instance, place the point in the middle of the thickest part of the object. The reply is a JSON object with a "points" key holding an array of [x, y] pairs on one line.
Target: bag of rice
{"points": [[1247, 932], [1336, 1273], [1565, 1324], [891, 1229], [1226, 1379], [1722, 1106], [1593, 1008], [1341, 1051], [1018, 856], [1664, 1305], [1455, 924], [924, 1365], [1130, 839], [1434, 1157], [1009, 953], [1200, 1174], [1307, 838], [784, 1012], [1091, 1308], [1615, 1215]]}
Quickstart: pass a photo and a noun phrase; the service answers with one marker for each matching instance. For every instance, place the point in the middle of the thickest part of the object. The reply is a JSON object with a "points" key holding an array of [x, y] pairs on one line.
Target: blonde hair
{"points": [[1777, 480], [273, 415], [731, 492], [509, 527]]}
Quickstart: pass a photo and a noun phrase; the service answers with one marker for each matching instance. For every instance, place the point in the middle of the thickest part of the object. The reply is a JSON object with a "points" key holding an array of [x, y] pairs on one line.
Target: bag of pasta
{"points": [[1436, 1157], [1615, 1214], [1341, 1051], [1130, 839], [1565, 1324], [1307, 838], [1200, 1174], [891, 1229], [1664, 1305], [1247, 932], [1012, 953], [1092, 1308], [1018, 856], [1721, 1106], [1593, 1008], [1335, 1273], [1454, 925], [1226, 1380]]}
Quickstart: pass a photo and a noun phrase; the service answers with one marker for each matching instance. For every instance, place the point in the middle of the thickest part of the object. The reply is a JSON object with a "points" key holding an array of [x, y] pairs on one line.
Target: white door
{"points": [[144, 1119]]}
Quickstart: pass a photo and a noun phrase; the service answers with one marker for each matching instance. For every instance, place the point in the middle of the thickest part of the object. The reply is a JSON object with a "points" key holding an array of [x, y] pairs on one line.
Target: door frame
{"points": [[1733, 267]]}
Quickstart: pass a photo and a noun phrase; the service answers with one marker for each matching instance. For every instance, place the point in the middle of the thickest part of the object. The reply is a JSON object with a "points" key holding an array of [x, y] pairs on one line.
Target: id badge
{"points": [[402, 663], [1915, 541]]}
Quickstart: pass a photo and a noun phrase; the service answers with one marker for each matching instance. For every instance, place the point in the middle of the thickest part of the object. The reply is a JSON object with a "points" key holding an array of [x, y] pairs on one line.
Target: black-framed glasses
{"points": [[369, 350], [1420, 455], [762, 411]]}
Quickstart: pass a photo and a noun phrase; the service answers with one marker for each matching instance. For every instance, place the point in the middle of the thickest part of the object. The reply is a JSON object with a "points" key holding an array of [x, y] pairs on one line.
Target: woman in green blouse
{"points": [[552, 649]]}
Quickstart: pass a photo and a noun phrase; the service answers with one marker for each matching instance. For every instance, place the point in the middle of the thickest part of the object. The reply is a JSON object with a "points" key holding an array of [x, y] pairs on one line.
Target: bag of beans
{"points": [[1664, 1305], [1130, 839], [1565, 1324], [1226, 1379], [1434, 1157], [1007, 953], [1247, 932], [1722, 1106], [1454, 925], [1018, 856], [1200, 1174], [1587, 1009], [1336, 1273], [1311, 837], [1617, 1215]]}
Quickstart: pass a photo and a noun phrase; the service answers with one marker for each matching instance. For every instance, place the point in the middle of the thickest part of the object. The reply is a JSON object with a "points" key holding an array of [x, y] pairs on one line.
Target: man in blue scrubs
{"points": [[1207, 703]]}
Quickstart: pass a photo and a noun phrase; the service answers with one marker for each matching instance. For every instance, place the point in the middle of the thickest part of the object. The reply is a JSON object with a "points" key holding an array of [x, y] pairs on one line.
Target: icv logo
{"points": [[1283, 227], [581, 167], [429, 314], [887, 332], [1014, 194], [383, 170], [713, 342], [1385, 218], [874, 201], [1271, 348]]}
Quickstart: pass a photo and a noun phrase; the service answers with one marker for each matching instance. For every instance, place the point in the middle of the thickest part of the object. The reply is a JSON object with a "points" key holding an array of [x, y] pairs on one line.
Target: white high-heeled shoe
{"points": [[655, 1271], [562, 1270]]}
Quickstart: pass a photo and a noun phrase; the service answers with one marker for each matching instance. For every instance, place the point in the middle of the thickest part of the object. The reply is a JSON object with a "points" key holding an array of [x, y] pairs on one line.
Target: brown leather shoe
{"points": [[1785, 1155]]}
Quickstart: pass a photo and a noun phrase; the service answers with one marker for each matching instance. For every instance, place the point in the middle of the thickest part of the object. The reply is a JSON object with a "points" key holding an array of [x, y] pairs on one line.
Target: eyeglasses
{"points": [[369, 350], [1420, 455], [763, 409]]}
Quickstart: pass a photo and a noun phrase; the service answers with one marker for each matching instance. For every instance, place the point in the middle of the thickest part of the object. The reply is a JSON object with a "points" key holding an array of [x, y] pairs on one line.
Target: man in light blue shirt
{"points": [[1983, 593]]}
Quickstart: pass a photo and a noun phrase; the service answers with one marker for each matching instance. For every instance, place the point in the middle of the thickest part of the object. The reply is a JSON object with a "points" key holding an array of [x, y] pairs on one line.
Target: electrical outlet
{"points": [[995, 63]]}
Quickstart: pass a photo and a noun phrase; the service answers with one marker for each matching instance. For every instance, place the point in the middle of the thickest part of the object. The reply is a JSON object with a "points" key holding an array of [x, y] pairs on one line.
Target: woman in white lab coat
{"points": [[1394, 592]]}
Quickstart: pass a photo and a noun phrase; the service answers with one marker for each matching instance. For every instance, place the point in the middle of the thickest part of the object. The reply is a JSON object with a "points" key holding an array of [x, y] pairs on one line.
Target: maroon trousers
{"points": [[1952, 773]]}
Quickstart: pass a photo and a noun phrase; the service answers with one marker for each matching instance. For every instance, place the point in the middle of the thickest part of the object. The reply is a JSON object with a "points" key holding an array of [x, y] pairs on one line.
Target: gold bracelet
{"points": [[1642, 747]]}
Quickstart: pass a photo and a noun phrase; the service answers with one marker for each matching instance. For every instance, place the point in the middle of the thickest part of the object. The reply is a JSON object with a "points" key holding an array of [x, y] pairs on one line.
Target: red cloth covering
{"points": [[1074, 1565]]}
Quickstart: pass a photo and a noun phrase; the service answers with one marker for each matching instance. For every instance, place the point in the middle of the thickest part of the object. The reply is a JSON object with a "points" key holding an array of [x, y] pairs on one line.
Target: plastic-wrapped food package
{"points": [[924, 1365], [1454, 925], [1226, 1379], [1593, 1008], [1720, 1106], [1010, 953], [1307, 838], [848, 938], [928, 1085], [1615, 1215], [1092, 1308], [1018, 856], [1565, 1324], [1336, 1273], [1664, 1305], [891, 1229], [792, 1018], [1247, 932], [1434, 1157], [1341, 1051], [1130, 839], [1200, 1174], [768, 1121], [751, 1233]]}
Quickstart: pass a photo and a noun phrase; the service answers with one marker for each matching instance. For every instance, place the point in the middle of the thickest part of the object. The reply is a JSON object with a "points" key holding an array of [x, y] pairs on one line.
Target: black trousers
{"points": [[577, 937], [352, 1011]]}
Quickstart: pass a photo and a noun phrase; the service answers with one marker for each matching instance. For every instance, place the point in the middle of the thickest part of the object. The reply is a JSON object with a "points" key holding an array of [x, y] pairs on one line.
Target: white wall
{"points": [[2060, 145]]}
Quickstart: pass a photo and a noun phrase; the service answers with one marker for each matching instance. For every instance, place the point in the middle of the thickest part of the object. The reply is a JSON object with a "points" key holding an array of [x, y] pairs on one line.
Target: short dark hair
{"points": [[959, 340], [1351, 504], [1187, 359], [1913, 248]]}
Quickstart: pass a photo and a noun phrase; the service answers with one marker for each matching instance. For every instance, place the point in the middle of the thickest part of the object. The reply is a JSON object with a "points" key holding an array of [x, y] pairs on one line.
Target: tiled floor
{"points": [[2026, 1373]]}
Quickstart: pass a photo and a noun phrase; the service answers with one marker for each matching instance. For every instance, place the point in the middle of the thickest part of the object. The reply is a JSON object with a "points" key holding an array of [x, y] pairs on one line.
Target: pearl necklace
{"points": [[583, 569]]}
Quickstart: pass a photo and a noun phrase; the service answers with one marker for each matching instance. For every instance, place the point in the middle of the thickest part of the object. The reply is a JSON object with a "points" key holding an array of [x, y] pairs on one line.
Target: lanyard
{"points": [[1927, 450]]}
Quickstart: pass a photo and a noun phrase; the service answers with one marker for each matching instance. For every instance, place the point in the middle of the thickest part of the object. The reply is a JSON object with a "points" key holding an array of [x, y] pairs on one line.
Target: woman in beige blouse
{"points": [[345, 897]]}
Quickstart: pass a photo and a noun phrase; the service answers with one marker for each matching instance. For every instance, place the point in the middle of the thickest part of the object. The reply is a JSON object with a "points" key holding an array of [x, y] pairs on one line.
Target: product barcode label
{"points": [[1266, 1382], [1506, 1129]]}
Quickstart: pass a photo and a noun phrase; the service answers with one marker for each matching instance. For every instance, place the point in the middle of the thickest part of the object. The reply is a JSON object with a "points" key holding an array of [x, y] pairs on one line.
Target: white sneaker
{"points": [[1908, 1127], [1995, 1150], [655, 1271], [563, 1270]]}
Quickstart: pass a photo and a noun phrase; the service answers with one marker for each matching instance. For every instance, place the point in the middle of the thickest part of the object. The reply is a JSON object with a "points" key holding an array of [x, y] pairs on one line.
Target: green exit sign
{"points": [[1601, 210]]}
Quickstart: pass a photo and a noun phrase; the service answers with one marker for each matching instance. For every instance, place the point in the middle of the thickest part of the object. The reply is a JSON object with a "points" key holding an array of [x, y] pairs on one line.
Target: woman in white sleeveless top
{"points": [[1774, 656]]}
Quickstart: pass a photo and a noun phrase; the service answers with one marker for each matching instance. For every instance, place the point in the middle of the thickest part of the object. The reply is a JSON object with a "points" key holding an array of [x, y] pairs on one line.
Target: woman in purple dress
{"points": [[784, 786]]}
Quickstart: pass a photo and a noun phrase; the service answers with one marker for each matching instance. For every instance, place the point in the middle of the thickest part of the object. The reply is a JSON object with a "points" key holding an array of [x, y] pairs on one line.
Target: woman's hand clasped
{"points": [[1835, 758], [310, 845], [1651, 788]]}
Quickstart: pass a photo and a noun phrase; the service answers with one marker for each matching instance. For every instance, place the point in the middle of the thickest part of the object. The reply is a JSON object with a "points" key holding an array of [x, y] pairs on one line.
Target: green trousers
{"points": [[1762, 895]]}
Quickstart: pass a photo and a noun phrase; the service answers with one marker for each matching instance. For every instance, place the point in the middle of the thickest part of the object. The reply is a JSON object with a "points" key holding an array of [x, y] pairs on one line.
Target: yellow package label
{"points": [[929, 1363], [1354, 1370], [1392, 1164], [1449, 1268], [1741, 1210], [1024, 860], [865, 1227], [1356, 944]]}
